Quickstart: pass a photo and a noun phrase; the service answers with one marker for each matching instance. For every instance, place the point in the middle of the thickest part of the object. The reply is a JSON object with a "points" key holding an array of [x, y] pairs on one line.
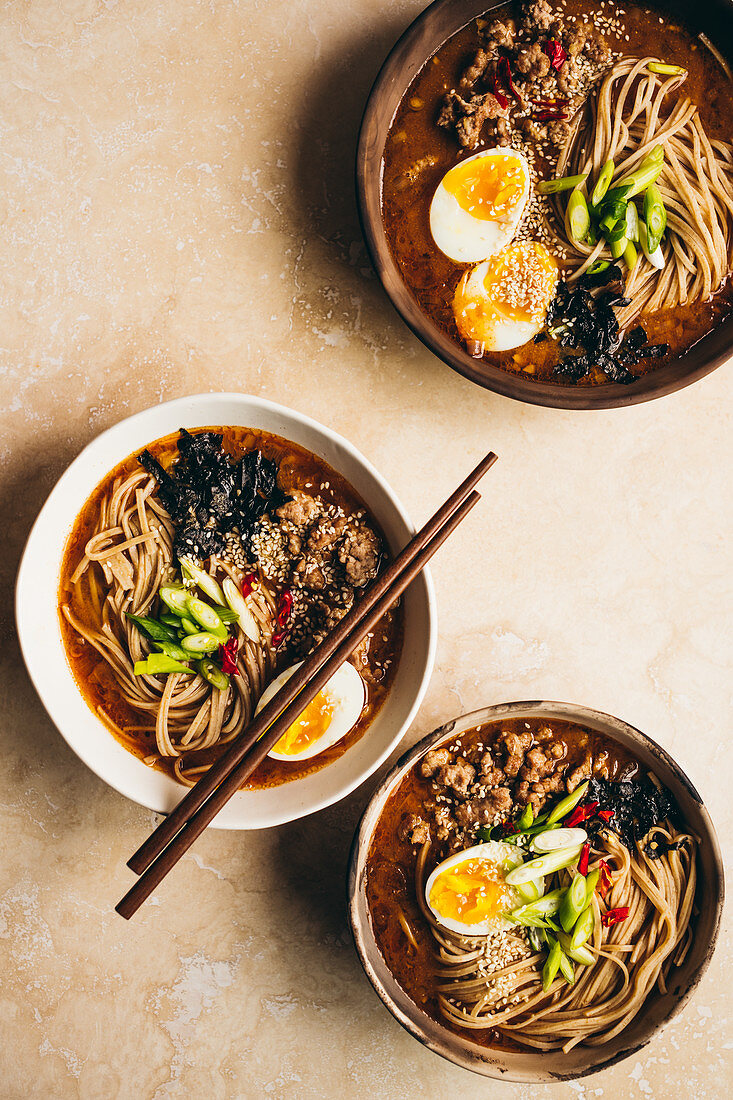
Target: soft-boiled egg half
{"points": [[468, 893], [328, 718], [502, 303], [479, 203]]}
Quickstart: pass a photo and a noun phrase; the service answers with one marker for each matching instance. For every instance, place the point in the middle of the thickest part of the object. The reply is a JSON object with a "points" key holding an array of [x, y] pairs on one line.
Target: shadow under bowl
{"points": [[418, 44], [533, 1067]]}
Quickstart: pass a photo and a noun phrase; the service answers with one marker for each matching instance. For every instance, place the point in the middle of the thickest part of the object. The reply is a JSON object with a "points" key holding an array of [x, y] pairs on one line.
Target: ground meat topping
{"points": [[486, 781]]}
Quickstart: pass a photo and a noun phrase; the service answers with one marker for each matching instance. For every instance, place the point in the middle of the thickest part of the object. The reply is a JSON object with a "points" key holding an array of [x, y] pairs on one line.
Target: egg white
{"points": [[504, 857], [347, 694], [465, 238]]}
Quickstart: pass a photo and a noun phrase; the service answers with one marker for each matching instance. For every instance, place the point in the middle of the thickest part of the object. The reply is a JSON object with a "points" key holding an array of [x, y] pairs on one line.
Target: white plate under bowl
{"points": [[36, 601]]}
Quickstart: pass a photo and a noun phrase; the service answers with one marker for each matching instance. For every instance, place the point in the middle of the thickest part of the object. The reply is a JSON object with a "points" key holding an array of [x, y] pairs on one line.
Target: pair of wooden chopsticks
{"points": [[175, 835]]}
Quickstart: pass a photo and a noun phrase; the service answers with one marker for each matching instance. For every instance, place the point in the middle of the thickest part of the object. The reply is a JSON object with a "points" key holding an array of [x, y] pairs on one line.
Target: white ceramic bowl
{"points": [[45, 658]]}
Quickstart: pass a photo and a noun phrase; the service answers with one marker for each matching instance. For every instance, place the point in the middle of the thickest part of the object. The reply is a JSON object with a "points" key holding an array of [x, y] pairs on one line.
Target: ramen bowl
{"points": [[42, 643], [528, 1066], [423, 38]]}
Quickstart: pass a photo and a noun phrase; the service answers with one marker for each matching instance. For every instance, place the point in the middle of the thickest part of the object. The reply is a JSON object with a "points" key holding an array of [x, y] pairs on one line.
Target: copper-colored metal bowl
{"points": [[416, 46], [530, 1066]]}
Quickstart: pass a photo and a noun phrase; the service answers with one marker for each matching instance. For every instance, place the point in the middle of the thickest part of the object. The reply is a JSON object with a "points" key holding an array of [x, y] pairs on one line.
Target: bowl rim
{"points": [[408, 1014], [682, 371], [164, 793]]}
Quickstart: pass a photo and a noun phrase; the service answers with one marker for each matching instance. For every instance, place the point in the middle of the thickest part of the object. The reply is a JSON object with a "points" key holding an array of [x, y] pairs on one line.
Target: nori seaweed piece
{"points": [[638, 805], [208, 494]]}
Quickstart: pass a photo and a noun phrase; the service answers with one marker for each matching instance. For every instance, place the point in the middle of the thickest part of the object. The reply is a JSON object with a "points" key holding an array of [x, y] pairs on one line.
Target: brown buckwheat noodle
{"points": [[632, 956], [627, 116], [132, 552]]}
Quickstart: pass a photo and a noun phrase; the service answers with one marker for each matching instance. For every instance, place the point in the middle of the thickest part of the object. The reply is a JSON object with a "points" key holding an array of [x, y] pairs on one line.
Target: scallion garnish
{"points": [[565, 183]]}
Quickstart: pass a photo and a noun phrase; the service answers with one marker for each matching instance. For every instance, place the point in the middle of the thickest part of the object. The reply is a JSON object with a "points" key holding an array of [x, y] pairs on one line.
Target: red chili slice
{"points": [[606, 814], [248, 584], [615, 916], [228, 657], [556, 53], [604, 879], [499, 95], [284, 611], [584, 857], [506, 75], [551, 116], [582, 813]]}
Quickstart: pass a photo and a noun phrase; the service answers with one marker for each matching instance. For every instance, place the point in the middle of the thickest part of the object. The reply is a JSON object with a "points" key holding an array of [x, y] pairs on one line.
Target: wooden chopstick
{"points": [[164, 833], [196, 797], [207, 811]]}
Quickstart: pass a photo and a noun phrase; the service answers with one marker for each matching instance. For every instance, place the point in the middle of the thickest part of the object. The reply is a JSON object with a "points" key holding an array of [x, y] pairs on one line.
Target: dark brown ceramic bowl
{"points": [[530, 1066], [416, 46]]}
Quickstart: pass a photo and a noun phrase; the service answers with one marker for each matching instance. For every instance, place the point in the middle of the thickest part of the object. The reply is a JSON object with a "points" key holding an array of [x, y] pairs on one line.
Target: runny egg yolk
{"points": [[487, 187], [470, 892], [309, 727]]}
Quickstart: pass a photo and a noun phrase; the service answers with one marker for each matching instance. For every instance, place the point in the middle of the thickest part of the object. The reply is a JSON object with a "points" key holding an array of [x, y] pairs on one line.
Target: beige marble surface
{"points": [[177, 215]]}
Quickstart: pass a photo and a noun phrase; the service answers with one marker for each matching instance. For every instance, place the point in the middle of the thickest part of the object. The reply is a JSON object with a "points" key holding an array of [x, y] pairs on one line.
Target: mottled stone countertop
{"points": [[177, 215]]}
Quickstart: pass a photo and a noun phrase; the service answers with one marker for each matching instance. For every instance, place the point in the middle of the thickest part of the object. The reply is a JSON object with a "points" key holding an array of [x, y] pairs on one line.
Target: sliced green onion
{"points": [[655, 216], [565, 805], [573, 902], [604, 180], [598, 266], [618, 247], [535, 942], [566, 969], [646, 173], [632, 222], [530, 891], [618, 233], [537, 911], [151, 628], [565, 183], [173, 649], [526, 818], [552, 839], [158, 664], [188, 626], [591, 881], [543, 865], [213, 674], [655, 257], [611, 212], [630, 256], [583, 929], [175, 597], [201, 579], [579, 955], [552, 965], [206, 617], [204, 642], [226, 614], [665, 70], [578, 216], [619, 193], [170, 619], [540, 827], [485, 833], [246, 619]]}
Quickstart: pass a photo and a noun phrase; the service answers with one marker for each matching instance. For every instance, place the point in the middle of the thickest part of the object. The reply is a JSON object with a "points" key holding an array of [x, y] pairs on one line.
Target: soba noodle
{"points": [[623, 121], [132, 545], [632, 956]]}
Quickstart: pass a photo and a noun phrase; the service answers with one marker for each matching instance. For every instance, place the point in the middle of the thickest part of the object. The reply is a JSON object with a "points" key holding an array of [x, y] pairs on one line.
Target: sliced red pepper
{"points": [[284, 611], [551, 116], [248, 584], [499, 95], [604, 879], [606, 814], [228, 657], [615, 916], [556, 53], [555, 104], [506, 76], [581, 813], [584, 857]]}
